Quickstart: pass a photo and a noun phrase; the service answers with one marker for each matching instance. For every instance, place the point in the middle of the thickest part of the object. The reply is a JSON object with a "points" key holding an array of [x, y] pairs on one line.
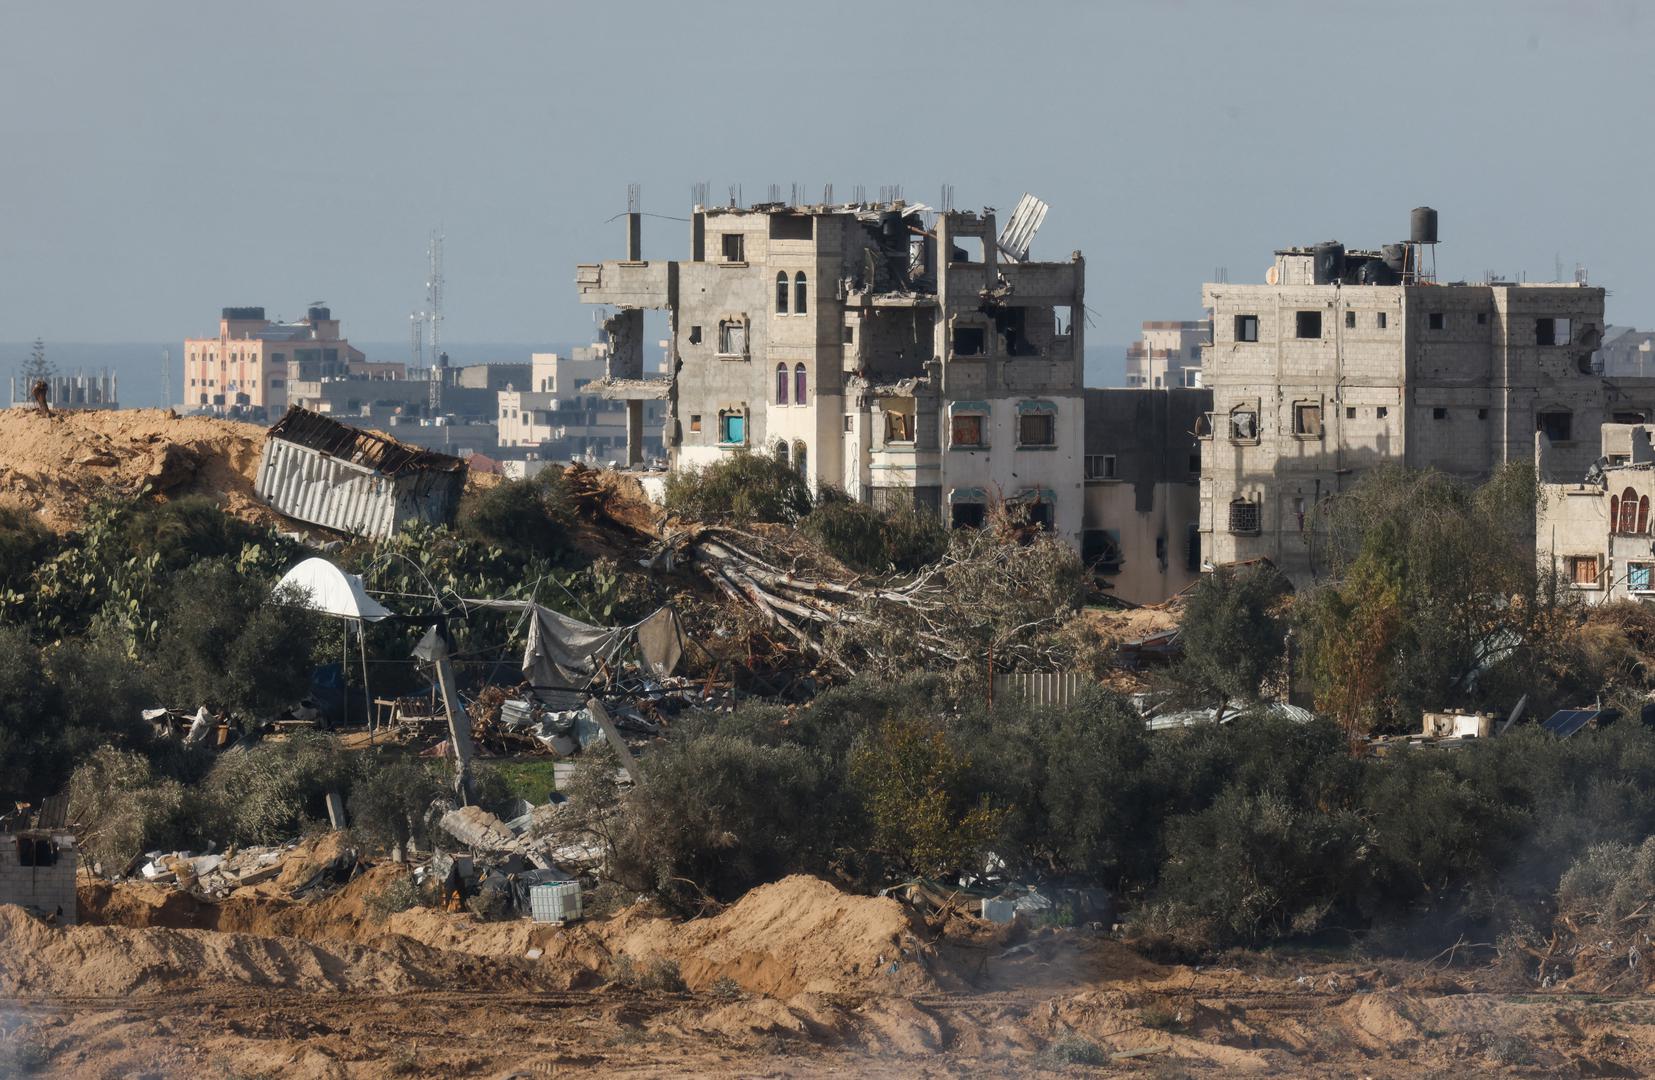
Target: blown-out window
{"points": [[1244, 517], [799, 293], [781, 293], [732, 338]]}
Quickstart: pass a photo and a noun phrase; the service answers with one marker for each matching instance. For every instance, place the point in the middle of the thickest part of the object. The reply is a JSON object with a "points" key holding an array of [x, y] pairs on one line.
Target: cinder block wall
{"points": [[47, 888]]}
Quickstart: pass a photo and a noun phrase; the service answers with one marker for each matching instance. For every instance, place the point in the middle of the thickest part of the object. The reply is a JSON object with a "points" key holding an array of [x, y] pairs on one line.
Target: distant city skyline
{"points": [[165, 162]]}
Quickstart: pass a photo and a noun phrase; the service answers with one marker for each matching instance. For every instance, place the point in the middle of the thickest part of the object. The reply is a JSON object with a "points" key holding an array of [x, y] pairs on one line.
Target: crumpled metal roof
{"points": [[366, 448]]}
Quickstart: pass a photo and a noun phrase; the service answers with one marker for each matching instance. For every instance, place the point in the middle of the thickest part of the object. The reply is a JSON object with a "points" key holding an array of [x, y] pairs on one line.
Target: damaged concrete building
{"points": [[1343, 360], [1595, 534], [905, 356], [1142, 477]]}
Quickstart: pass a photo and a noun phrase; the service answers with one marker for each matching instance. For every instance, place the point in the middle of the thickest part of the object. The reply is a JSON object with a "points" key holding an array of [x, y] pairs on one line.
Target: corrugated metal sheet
{"points": [[369, 449], [312, 486], [1041, 687]]}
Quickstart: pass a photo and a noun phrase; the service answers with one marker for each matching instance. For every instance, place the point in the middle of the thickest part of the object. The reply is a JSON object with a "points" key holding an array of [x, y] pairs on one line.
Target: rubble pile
{"points": [[524, 721]]}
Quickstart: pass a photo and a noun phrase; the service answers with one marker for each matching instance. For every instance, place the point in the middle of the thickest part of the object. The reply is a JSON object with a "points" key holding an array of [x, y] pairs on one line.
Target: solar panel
{"points": [[1568, 721]]}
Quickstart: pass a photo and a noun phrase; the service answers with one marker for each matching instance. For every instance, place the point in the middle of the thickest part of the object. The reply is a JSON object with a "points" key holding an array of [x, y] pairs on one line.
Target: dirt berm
{"points": [[59, 464], [794, 936]]}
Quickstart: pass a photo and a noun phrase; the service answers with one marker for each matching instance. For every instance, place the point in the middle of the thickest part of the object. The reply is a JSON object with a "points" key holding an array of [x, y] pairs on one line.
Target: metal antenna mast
{"points": [[433, 294]]}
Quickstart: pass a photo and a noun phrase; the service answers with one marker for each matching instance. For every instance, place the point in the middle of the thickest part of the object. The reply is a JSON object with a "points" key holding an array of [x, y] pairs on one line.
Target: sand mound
{"points": [[797, 935], [56, 465], [103, 961]]}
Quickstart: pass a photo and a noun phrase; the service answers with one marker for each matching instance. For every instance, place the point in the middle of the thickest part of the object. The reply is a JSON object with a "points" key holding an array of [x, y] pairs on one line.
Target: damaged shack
{"points": [[320, 471]]}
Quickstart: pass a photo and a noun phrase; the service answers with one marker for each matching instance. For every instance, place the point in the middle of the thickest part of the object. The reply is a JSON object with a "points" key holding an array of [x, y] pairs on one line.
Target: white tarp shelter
{"points": [[334, 592], [331, 591]]}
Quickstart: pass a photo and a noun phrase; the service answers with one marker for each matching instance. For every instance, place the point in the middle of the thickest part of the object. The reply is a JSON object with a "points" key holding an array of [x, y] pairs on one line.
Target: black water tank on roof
{"points": [[320, 314], [1422, 225], [1376, 272], [242, 313], [1328, 262]]}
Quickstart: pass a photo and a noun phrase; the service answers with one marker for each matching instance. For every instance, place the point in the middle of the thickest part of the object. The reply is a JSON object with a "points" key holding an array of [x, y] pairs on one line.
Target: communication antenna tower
{"points": [[433, 293]]}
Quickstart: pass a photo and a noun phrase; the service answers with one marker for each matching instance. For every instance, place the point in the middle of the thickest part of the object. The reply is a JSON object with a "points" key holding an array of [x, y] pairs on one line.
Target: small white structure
{"points": [[332, 591]]}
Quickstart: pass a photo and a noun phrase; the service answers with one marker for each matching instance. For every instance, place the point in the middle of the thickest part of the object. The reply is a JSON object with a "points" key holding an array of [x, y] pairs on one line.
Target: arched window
{"points": [[798, 384], [1629, 512], [781, 452], [799, 306], [781, 293], [1643, 514], [781, 384], [799, 458]]}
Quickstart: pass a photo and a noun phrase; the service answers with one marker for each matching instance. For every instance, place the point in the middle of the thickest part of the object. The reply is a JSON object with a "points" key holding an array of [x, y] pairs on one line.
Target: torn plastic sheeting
{"points": [[563, 651]]}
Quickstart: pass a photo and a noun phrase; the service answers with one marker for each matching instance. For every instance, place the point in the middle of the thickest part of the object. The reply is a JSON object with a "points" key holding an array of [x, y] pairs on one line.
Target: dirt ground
{"points": [[797, 979]]}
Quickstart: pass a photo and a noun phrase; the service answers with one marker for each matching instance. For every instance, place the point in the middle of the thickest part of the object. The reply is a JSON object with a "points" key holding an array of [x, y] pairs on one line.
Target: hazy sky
{"points": [[164, 160]]}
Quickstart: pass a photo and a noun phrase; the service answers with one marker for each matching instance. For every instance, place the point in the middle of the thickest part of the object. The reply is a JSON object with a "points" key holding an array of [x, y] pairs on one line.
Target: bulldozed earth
{"points": [[797, 978]]}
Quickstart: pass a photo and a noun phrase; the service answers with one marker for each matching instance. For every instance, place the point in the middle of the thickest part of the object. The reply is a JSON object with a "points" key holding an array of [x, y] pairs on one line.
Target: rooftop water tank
{"points": [[1422, 225]]}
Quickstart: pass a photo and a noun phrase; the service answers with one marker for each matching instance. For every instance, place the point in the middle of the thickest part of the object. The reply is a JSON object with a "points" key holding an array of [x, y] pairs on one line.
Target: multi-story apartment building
{"points": [[563, 415], [901, 357], [1167, 355], [1343, 360], [251, 362]]}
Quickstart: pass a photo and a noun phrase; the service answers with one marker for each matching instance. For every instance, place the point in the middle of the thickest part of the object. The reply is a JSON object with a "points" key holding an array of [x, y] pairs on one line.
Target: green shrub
{"points": [[1071, 1050], [741, 488], [714, 815], [184, 531], [532, 517], [1252, 867], [874, 541], [391, 803], [32, 763], [1233, 634], [659, 975], [226, 641], [400, 894], [274, 790], [25, 543], [125, 808]]}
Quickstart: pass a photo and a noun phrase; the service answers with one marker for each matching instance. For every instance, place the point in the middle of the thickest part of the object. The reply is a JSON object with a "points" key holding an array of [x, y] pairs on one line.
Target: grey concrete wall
{"points": [[47, 888]]}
